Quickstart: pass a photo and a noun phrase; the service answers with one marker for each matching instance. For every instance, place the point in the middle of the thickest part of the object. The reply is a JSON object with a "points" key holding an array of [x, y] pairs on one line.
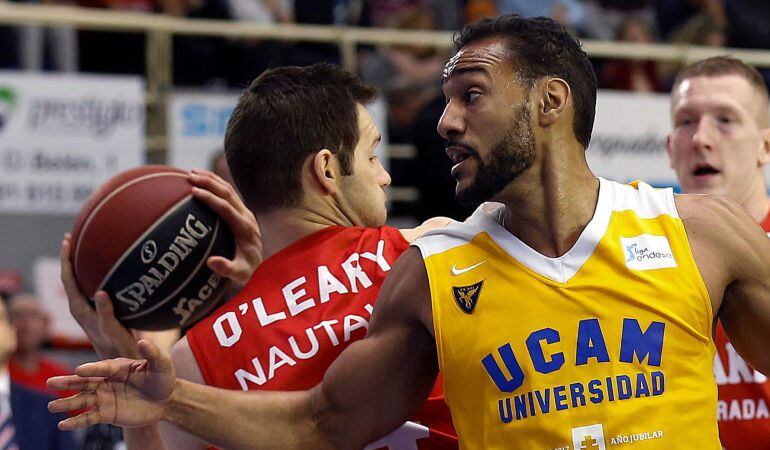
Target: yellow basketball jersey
{"points": [[608, 346]]}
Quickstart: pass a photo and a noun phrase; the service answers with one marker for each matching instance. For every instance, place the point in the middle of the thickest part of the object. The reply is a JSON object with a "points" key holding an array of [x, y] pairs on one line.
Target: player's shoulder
{"points": [[710, 213], [434, 223], [454, 234], [719, 223]]}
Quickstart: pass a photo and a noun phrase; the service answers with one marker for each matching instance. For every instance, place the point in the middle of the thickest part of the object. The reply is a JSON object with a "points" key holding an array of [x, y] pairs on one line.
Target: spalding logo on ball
{"points": [[144, 239]]}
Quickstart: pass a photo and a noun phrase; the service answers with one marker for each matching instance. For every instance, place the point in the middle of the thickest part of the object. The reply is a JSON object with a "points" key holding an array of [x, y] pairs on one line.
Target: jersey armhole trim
{"points": [[700, 282], [434, 311]]}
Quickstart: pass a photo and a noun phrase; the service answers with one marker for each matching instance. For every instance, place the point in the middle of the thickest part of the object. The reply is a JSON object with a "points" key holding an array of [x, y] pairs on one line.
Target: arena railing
{"points": [[160, 29]]}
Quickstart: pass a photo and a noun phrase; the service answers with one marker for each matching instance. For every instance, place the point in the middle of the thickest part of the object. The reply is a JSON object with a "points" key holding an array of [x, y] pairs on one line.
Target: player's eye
{"points": [[470, 96], [725, 119]]}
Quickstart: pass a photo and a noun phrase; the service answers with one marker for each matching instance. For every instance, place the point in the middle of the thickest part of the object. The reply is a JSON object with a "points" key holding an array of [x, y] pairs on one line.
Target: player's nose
{"points": [[452, 121]]}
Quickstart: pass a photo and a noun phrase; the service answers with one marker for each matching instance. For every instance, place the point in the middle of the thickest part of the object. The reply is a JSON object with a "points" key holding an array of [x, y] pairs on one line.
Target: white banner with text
{"points": [[61, 136], [198, 122]]}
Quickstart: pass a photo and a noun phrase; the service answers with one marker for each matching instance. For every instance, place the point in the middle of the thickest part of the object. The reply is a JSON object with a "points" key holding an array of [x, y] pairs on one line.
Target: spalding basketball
{"points": [[144, 239]]}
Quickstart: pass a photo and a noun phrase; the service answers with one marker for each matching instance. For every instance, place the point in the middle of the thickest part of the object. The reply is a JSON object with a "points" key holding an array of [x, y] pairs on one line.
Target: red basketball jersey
{"points": [[744, 396], [302, 307]]}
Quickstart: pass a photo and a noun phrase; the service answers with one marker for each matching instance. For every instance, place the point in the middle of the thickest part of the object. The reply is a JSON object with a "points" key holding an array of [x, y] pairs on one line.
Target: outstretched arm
{"points": [[733, 255], [374, 386]]}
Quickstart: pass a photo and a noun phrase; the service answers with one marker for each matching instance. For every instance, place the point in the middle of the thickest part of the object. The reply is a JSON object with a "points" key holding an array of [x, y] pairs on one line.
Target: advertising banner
{"points": [[198, 122], [63, 135], [197, 125]]}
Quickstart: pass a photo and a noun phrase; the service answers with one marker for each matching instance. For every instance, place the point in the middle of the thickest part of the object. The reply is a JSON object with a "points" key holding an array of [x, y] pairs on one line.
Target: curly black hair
{"points": [[541, 47]]}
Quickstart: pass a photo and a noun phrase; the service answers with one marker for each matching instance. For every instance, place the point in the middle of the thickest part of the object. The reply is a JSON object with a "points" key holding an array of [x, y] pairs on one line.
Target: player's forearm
{"points": [[247, 420], [142, 438]]}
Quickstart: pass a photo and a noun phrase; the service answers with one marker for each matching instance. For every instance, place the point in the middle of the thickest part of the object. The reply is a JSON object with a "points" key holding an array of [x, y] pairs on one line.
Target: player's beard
{"points": [[508, 158]]}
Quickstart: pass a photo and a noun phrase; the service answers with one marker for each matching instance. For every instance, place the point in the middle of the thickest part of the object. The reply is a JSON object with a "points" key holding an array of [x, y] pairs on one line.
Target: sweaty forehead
{"points": [[483, 55]]}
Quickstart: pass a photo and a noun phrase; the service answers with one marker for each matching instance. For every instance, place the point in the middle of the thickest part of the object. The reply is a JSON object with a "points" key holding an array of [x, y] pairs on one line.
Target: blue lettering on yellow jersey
{"points": [[608, 344]]}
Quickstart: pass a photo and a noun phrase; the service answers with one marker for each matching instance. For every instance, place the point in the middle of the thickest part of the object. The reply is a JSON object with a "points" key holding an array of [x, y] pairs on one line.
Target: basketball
{"points": [[144, 239]]}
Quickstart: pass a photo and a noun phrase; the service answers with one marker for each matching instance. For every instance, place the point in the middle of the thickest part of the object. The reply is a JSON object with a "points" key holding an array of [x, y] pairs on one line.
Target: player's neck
{"points": [[758, 203], [547, 208], [285, 226]]}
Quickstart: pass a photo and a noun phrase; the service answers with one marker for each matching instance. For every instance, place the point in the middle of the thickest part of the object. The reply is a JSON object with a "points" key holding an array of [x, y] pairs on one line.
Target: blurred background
{"points": [[89, 88]]}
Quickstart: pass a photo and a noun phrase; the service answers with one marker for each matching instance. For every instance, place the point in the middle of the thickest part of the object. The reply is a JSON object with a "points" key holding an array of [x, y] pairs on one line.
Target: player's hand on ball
{"points": [[109, 338], [121, 391], [221, 197]]}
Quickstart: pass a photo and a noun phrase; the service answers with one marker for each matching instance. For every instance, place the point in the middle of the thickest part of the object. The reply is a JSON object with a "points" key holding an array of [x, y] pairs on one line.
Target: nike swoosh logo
{"points": [[456, 271]]}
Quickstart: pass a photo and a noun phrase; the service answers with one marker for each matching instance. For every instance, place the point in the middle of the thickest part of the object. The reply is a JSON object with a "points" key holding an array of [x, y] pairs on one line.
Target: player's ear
{"points": [[554, 97], [325, 169], [764, 150], [669, 152]]}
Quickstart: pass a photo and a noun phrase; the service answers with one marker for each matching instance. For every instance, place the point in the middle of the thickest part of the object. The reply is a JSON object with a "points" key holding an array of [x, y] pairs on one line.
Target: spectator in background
{"points": [[569, 13], [28, 365], [124, 53], [628, 74], [749, 22], [113, 52], [408, 75], [690, 22], [677, 19], [33, 47], [384, 13], [246, 58], [313, 12], [604, 17], [476, 10], [25, 422], [719, 145], [197, 59], [261, 11], [10, 53], [431, 168]]}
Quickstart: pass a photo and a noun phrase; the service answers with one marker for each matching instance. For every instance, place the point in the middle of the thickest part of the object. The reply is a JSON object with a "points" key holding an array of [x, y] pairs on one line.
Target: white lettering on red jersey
{"points": [[302, 307]]}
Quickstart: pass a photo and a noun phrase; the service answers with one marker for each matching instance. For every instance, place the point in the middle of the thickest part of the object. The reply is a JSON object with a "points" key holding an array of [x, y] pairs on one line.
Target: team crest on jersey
{"points": [[466, 297]]}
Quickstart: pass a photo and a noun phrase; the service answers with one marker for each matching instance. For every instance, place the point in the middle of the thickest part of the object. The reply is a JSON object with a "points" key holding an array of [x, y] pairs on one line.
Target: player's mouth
{"points": [[458, 153], [704, 172]]}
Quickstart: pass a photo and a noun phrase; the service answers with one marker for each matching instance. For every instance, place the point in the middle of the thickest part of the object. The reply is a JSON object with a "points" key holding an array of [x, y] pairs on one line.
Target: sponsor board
{"points": [[198, 122], [61, 136]]}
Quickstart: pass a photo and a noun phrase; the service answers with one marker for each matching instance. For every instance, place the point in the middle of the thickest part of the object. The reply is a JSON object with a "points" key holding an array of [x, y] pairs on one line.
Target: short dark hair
{"points": [[284, 116], [717, 66], [541, 47]]}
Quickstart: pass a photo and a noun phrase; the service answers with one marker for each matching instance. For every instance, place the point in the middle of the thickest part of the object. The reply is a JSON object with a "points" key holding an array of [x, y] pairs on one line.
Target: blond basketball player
{"points": [[720, 144]]}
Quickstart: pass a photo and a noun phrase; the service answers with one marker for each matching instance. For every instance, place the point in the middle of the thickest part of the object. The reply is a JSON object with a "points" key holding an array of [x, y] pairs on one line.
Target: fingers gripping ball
{"points": [[144, 239]]}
